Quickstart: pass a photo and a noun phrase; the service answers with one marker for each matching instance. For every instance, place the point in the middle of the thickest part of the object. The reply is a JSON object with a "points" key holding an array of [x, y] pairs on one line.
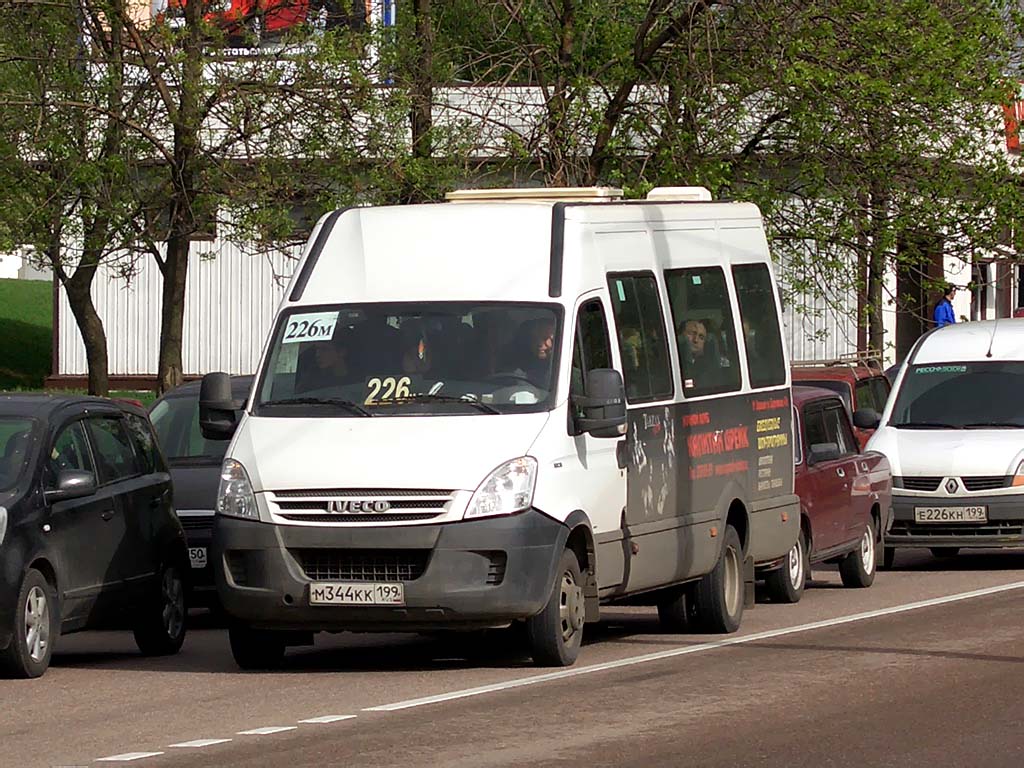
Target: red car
{"points": [[256, 19], [845, 498], [858, 380]]}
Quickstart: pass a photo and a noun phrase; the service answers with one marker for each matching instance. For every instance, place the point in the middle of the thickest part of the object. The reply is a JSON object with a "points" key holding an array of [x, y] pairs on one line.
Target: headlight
{"points": [[507, 490], [3, 523], [1018, 476], [234, 496]]}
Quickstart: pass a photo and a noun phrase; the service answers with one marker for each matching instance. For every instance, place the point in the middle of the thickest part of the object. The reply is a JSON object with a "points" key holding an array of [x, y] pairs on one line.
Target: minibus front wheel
{"points": [[555, 634]]}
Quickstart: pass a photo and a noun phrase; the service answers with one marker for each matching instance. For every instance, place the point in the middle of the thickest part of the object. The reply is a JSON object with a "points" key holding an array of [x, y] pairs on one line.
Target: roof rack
{"points": [[871, 358], [559, 194]]}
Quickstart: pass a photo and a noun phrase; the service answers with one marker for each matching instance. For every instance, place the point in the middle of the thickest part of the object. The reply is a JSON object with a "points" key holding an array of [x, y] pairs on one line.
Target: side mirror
{"points": [[72, 484], [866, 418], [217, 410], [603, 406], [824, 452]]}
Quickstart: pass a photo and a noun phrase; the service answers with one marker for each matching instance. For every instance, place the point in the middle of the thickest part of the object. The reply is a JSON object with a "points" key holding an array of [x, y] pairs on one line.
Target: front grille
{"points": [[918, 483], [362, 564], [287, 506], [963, 530], [360, 492], [315, 518], [197, 523], [984, 483]]}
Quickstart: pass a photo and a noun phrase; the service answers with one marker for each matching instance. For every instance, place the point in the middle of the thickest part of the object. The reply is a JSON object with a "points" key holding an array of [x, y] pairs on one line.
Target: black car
{"points": [[88, 534], [195, 468]]}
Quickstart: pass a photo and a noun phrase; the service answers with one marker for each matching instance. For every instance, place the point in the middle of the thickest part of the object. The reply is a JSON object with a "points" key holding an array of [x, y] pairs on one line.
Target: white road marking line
{"points": [[268, 730], [201, 743], [127, 757], [328, 719], [683, 651]]}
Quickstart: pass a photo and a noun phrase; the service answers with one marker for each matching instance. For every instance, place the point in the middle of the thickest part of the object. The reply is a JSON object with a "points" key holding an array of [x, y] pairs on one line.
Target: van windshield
{"points": [[407, 359], [960, 396]]}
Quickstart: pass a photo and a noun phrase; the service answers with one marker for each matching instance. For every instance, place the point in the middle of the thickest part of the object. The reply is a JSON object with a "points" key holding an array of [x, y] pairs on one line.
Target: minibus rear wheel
{"points": [[718, 597], [554, 635]]}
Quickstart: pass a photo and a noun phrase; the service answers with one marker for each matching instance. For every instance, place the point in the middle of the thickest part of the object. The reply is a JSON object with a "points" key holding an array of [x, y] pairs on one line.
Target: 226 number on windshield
{"points": [[311, 326], [388, 388]]}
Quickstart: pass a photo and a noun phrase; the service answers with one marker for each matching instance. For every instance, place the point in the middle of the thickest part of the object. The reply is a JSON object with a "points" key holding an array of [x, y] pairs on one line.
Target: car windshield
{"points": [[960, 396], [15, 435], [841, 388], [412, 359], [176, 421]]}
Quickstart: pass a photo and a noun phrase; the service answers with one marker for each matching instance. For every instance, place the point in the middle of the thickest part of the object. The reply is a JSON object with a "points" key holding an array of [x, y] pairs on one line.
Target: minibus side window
{"points": [[705, 331], [591, 347], [760, 318], [641, 333]]}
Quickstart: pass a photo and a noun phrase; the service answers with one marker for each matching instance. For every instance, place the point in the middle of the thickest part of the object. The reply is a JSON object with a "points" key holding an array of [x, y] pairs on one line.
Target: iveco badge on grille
{"points": [[357, 507]]}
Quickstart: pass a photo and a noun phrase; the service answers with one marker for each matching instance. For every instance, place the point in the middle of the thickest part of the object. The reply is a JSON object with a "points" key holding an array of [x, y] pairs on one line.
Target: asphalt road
{"points": [[925, 668]]}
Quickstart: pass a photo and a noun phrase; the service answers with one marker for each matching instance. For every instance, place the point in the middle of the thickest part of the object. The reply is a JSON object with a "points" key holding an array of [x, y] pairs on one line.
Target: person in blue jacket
{"points": [[943, 314]]}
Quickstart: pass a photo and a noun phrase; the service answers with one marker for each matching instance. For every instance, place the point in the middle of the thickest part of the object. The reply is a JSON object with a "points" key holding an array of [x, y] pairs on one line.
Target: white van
{"points": [[512, 406], [953, 431]]}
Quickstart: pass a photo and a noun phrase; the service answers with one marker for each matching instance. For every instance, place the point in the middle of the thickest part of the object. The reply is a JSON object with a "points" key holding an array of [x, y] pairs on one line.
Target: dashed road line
{"points": [[686, 650], [268, 730], [328, 719], [127, 757], [198, 743]]}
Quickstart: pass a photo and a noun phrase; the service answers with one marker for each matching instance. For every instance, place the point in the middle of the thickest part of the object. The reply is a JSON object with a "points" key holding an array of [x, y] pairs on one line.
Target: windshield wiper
{"points": [[338, 402], [993, 425], [924, 425], [428, 398]]}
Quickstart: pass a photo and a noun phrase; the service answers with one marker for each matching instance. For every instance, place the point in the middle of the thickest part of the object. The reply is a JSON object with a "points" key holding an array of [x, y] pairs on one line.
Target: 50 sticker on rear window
{"points": [[310, 326]]}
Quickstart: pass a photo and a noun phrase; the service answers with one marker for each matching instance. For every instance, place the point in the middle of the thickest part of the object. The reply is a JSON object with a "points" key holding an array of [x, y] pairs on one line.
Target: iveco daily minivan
{"points": [[509, 407], [953, 431]]}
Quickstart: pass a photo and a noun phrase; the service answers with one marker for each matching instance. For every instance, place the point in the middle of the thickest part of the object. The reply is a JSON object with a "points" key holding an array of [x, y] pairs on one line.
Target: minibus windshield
{"points": [[450, 358], [960, 396]]}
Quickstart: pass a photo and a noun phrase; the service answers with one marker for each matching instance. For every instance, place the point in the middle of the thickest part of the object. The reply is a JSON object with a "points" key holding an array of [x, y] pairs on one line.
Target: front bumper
{"points": [[467, 574], [1005, 526]]}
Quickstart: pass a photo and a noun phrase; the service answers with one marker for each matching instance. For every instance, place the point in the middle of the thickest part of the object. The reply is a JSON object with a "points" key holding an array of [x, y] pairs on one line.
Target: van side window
{"points": [[591, 346], [864, 396], [704, 330], [760, 317], [880, 385], [641, 332]]}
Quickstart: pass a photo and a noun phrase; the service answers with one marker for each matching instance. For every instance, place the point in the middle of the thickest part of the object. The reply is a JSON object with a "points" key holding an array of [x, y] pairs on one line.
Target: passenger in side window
{"points": [[700, 364]]}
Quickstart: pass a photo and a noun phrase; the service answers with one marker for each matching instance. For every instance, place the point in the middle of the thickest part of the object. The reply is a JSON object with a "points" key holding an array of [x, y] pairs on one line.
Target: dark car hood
{"points": [[195, 485]]}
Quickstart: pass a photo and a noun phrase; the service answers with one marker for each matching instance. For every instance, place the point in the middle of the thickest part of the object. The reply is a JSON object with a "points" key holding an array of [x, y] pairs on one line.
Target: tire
{"points": [[786, 584], [857, 569], [943, 552], [163, 619], [554, 635], [718, 597], [888, 558], [36, 626], [256, 648], [674, 612]]}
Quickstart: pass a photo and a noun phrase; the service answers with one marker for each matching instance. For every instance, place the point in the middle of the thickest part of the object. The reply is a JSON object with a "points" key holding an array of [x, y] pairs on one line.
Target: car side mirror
{"points": [[218, 417], [72, 484], [824, 452], [866, 418], [602, 407]]}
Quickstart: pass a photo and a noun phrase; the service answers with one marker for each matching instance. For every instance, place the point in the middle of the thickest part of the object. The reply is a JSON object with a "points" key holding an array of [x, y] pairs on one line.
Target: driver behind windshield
{"points": [[324, 363], [533, 349]]}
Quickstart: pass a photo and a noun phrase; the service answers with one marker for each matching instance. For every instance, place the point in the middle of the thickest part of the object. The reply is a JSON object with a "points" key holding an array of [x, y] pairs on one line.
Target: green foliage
{"points": [[26, 321]]}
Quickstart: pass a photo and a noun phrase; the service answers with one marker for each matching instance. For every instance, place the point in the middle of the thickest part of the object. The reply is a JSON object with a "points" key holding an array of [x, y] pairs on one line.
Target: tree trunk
{"points": [[423, 82], [91, 327], [878, 224], [172, 314]]}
